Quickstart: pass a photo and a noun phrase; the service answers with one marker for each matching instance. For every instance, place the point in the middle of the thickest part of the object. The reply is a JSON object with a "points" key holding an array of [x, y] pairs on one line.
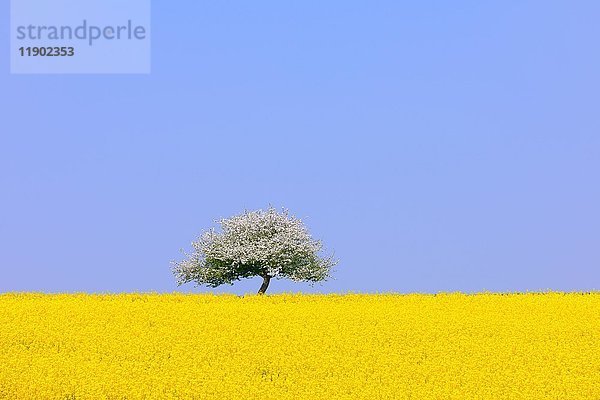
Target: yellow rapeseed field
{"points": [[384, 346]]}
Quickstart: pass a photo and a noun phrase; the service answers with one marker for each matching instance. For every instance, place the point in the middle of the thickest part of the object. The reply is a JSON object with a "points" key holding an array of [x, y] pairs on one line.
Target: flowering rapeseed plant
{"points": [[385, 346]]}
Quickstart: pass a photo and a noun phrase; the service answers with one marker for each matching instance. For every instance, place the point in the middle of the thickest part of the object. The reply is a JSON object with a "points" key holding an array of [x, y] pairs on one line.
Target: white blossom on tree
{"points": [[269, 244]]}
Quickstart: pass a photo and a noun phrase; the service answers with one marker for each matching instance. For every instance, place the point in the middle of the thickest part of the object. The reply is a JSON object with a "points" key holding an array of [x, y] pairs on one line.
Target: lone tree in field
{"points": [[268, 244]]}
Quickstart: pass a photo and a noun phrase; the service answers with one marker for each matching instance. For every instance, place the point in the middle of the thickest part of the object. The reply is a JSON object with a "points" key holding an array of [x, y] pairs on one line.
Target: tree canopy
{"points": [[264, 243]]}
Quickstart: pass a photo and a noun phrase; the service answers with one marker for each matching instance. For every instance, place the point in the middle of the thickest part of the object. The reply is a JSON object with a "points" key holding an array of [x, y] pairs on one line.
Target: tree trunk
{"points": [[265, 284]]}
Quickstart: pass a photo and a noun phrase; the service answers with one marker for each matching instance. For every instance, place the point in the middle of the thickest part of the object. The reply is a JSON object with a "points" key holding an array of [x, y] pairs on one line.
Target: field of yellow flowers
{"points": [[351, 346]]}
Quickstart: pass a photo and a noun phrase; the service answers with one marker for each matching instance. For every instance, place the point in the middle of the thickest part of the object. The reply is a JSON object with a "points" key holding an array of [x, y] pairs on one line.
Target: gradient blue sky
{"points": [[435, 146]]}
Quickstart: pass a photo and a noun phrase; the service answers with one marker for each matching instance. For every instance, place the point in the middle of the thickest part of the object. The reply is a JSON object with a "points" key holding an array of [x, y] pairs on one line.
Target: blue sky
{"points": [[441, 146]]}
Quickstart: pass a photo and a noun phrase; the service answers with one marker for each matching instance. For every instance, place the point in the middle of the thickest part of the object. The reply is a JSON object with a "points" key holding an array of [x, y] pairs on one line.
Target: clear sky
{"points": [[435, 146]]}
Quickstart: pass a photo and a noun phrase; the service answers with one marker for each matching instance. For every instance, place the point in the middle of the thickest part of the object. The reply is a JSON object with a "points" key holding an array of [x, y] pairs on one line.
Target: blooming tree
{"points": [[269, 244]]}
